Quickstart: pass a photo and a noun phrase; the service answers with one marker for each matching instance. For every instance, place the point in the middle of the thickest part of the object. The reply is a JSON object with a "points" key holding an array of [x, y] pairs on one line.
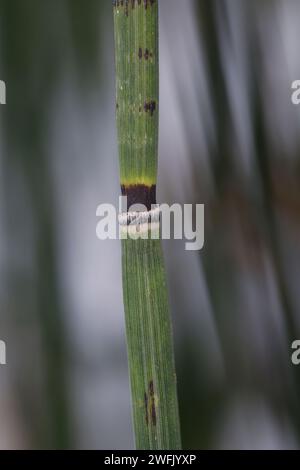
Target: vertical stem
{"points": [[148, 325]]}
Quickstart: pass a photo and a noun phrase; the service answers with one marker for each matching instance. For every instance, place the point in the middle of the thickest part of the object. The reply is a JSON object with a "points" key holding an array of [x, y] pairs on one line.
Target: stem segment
{"points": [[148, 326]]}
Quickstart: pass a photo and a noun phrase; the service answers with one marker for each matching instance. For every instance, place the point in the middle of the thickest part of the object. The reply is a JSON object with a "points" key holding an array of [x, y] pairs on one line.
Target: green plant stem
{"points": [[148, 325]]}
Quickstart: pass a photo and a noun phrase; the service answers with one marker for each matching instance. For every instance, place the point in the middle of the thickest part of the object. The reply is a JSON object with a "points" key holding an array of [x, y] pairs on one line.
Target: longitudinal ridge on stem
{"points": [[148, 325]]}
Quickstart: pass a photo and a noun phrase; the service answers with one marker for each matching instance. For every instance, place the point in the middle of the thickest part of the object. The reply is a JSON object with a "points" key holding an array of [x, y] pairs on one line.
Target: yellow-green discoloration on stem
{"points": [[136, 42]]}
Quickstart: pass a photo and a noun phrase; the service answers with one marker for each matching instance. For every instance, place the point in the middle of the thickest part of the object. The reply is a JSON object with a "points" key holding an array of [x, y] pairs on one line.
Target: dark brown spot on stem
{"points": [[139, 194], [146, 407], [153, 413], [147, 3], [140, 53], [150, 407], [146, 55], [150, 107], [152, 403]]}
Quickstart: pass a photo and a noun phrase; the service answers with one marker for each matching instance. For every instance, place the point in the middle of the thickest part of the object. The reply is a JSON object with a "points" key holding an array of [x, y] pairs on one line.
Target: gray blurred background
{"points": [[229, 139]]}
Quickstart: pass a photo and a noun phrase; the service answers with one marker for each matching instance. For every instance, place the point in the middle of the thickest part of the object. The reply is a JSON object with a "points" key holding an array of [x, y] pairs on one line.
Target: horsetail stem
{"points": [[148, 325]]}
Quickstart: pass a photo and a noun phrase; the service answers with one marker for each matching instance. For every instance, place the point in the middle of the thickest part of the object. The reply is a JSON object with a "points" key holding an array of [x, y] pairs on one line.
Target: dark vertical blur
{"points": [[37, 40]]}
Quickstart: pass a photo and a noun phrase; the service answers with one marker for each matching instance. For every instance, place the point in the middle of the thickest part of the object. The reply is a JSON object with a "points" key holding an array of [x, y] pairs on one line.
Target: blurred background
{"points": [[229, 139]]}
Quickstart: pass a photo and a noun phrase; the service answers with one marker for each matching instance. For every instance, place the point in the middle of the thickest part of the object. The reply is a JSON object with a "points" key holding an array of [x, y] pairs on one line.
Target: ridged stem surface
{"points": [[148, 325]]}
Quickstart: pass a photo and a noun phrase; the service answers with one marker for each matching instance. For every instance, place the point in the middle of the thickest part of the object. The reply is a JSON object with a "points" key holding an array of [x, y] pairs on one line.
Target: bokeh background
{"points": [[230, 139]]}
